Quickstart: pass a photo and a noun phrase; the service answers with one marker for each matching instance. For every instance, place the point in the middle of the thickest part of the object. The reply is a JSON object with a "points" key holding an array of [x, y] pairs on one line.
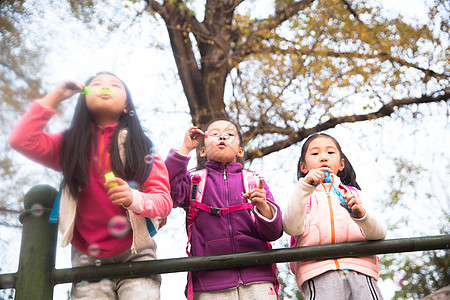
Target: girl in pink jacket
{"points": [[316, 215], [103, 218]]}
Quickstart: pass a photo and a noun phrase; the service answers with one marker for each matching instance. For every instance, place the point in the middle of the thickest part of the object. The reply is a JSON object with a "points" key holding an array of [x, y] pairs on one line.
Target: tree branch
{"points": [[350, 9], [386, 110], [388, 57], [268, 24]]}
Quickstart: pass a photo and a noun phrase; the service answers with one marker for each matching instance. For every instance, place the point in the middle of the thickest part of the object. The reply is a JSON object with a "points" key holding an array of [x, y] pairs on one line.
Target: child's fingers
{"points": [[115, 182], [261, 184], [121, 196], [316, 178], [358, 211], [355, 207], [122, 201], [195, 133], [117, 185], [115, 191], [257, 194], [350, 198], [71, 85], [257, 199]]}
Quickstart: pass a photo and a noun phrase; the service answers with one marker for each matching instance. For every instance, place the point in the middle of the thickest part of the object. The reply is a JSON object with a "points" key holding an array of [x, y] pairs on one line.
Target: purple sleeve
{"points": [[273, 229], [179, 178]]}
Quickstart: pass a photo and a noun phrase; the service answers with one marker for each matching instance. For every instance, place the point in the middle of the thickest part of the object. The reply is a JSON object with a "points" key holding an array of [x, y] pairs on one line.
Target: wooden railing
{"points": [[36, 275]]}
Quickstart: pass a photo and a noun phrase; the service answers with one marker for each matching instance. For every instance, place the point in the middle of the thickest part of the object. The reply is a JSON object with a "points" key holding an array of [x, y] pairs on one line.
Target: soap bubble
{"points": [[84, 259], [119, 226], [345, 274], [37, 210], [98, 262], [148, 159], [93, 250], [82, 285], [133, 185]]}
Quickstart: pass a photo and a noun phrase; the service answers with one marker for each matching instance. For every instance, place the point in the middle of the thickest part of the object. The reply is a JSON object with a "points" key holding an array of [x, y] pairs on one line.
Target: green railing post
{"points": [[38, 248]]}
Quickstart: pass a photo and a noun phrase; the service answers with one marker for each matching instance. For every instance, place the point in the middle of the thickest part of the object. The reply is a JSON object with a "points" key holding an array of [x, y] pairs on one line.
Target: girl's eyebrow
{"points": [[326, 147], [116, 81], [111, 81]]}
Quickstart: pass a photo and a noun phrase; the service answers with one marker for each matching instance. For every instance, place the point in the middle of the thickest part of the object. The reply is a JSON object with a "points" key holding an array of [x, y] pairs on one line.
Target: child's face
{"points": [[107, 99], [222, 143], [322, 152]]}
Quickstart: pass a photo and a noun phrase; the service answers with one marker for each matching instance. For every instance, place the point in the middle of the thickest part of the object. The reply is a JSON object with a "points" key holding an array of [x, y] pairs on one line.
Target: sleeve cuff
{"points": [[137, 205], [305, 186], [176, 153], [362, 219], [274, 210]]}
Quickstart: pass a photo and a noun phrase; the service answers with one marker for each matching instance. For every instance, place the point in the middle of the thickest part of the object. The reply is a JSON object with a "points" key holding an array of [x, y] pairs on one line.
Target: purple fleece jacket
{"points": [[230, 233]]}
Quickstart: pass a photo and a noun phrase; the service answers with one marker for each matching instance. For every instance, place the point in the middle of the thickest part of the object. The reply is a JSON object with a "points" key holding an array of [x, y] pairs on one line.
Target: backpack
{"points": [[150, 226], [198, 184]]}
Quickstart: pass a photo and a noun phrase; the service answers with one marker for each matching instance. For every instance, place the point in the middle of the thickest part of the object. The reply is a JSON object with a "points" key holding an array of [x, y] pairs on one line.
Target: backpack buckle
{"points": [[215, 211]]}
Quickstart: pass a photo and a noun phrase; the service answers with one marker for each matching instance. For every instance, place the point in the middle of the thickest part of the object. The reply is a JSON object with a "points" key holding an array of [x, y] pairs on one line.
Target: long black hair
{"points": [[76, 147], [347, 175]]}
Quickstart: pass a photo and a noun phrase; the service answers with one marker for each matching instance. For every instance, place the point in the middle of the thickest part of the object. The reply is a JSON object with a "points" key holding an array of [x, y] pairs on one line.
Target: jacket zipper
{"points": [[233, 245], [100, 151], [333, 229], [100, 155]]}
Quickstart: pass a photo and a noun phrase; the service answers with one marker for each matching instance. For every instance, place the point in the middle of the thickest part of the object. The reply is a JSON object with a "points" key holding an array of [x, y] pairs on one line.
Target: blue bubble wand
{"points": [[337, 191]]}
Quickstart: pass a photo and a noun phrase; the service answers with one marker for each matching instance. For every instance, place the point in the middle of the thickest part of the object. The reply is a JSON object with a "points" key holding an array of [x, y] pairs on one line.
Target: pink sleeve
{"points": [[154, 200], [28, 138]]}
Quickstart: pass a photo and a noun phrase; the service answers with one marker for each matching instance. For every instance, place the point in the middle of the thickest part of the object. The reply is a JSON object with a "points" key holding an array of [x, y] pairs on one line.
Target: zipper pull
{"points": [[225, 174]]}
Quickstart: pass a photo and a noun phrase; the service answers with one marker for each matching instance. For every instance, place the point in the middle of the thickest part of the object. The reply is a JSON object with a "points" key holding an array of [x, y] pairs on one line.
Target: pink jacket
{"points": [[314, 216], [153, 202]]}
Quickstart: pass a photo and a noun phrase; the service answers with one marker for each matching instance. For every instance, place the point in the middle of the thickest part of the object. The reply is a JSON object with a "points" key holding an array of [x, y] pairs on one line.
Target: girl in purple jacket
{"points": [[218, 233]]}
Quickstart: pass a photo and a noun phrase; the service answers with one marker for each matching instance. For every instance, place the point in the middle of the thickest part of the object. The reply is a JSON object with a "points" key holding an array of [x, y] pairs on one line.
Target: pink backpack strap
{"points": [[198, 183], [351, 189], [251, 181]]}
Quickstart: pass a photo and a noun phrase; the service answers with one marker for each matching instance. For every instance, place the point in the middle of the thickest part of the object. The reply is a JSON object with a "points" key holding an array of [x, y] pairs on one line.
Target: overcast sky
{"points": [[152, 79]]}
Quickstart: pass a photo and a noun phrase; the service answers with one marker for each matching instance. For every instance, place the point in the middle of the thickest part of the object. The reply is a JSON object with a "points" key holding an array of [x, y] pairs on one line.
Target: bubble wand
{"points": [[87, 90], [109, 176], [337, 191]]}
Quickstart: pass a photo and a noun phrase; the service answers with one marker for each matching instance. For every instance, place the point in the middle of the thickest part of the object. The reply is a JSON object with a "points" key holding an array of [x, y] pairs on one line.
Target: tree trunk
{"points": [[203, 79]]}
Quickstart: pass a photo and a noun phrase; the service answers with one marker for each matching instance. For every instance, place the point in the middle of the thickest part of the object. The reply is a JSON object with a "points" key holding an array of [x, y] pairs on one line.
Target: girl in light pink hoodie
{"points": [[322, 210]]}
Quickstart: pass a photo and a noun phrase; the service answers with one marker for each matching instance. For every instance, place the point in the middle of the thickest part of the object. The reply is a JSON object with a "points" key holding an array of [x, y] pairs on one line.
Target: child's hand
{"points": [[62, 92], [258, 198], [120, 194], [191, 140], [316, 176], [354, 205]]}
